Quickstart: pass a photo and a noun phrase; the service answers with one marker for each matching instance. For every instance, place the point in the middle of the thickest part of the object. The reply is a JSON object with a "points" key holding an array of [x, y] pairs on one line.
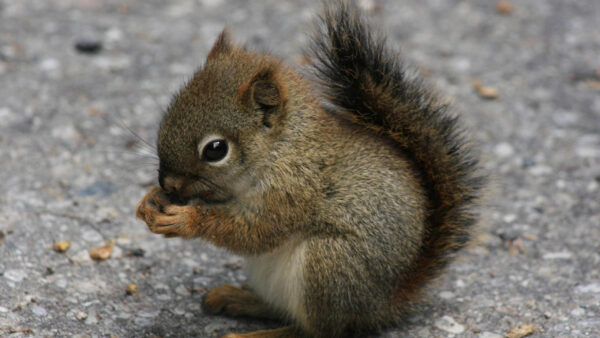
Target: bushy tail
{"points": [[363, 77]]}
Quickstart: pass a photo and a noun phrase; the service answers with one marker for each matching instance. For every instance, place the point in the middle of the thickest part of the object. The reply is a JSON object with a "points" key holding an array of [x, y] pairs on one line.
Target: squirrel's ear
{"points": [[222, 45], [265, 93]]}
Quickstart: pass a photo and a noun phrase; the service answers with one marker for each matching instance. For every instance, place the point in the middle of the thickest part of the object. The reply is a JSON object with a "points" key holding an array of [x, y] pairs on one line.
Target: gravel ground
{"points": [[71, 170]]}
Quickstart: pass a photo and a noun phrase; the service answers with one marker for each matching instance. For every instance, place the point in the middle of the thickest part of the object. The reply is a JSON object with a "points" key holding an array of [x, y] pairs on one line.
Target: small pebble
{"points": [[15, 275], [487, 334], [62, 246], [485, 92], [61, 283], [102, 252], [124, 316], [519, 332], [509, 218], [81, 257], [85, 287], [540, 170], [131, 289], [587, 151], [148, 313], [593, 288], [81, 315], [504, 7], [39, 311], [164, 297], [446, 295], [504, 150], [113, 35], [66, 132], [49, 64], [558, 255], [91, 235], [182, 290], [92, 318], [140, 321], [113, 63], [578, 312], [449, 325], [88, 46], [565, 119]]}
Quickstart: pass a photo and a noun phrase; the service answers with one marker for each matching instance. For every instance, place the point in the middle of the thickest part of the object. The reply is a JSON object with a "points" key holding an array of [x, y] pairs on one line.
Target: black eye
{"points": [[215, 151]]}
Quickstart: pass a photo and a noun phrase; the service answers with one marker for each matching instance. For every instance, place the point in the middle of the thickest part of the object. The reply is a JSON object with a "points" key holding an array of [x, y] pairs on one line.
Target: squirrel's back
{"points": [[367, 82]]}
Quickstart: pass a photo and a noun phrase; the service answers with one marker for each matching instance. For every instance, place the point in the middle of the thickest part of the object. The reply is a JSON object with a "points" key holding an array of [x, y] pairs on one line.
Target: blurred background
{"points": [[83, 85]]}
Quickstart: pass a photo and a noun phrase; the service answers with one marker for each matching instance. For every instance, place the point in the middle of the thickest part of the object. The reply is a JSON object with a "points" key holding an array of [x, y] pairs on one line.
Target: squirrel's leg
{"points": [[235, 302], [283, 332]]}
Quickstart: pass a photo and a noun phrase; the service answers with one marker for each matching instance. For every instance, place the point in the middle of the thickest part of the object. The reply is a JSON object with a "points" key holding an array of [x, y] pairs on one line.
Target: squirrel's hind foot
{"points": [[232, 301], [283, 332]]}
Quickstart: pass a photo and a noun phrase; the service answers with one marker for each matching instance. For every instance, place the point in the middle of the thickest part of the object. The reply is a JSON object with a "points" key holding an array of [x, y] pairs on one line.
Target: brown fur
{"points": [[363, 202]]}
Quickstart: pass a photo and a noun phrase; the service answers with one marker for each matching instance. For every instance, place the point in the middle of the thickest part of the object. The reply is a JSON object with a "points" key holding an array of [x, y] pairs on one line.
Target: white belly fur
{"points": [[278, 278]]}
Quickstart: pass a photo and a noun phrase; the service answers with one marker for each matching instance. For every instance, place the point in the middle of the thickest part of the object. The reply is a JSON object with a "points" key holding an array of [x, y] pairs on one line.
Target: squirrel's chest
{"points": [[278, 277]]}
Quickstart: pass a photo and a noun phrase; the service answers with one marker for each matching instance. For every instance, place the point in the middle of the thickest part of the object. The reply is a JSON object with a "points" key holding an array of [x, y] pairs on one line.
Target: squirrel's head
{"points": [[221, 124]]}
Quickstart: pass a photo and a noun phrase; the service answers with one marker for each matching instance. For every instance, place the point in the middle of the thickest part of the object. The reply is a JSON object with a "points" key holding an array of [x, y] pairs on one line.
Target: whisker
{"points": [[138, 137], [119, 121]]}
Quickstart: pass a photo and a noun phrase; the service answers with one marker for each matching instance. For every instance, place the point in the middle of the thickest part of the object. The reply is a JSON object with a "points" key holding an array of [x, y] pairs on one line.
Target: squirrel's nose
{"points": [[172, 185]]}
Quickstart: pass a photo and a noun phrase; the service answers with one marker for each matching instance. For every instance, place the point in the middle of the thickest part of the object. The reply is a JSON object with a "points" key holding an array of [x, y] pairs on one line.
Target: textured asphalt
{"points": [[71, 170]]}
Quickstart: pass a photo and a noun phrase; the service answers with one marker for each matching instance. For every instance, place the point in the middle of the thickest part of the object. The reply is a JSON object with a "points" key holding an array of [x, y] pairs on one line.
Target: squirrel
{"points": [[346, 192]]}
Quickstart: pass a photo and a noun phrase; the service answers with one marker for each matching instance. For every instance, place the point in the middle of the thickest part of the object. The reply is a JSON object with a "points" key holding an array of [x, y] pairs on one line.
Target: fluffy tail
{"points": [[363, 77]]}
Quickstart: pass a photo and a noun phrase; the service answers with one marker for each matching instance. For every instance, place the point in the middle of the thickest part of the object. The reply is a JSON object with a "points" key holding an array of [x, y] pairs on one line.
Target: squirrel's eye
{"points": [[215, 150]]}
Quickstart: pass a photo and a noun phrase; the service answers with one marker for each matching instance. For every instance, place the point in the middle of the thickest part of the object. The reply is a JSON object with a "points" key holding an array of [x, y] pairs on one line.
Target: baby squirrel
{"points": [[344, 200]]}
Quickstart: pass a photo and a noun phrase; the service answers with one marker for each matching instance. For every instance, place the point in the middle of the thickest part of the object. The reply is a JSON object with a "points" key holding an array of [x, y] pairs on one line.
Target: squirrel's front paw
{"points": [[165, 218], [176, 221], [151, 204]]}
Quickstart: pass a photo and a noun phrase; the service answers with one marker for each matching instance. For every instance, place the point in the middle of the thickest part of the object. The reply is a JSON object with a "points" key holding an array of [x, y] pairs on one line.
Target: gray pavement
{"points": [[71, 171]]}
